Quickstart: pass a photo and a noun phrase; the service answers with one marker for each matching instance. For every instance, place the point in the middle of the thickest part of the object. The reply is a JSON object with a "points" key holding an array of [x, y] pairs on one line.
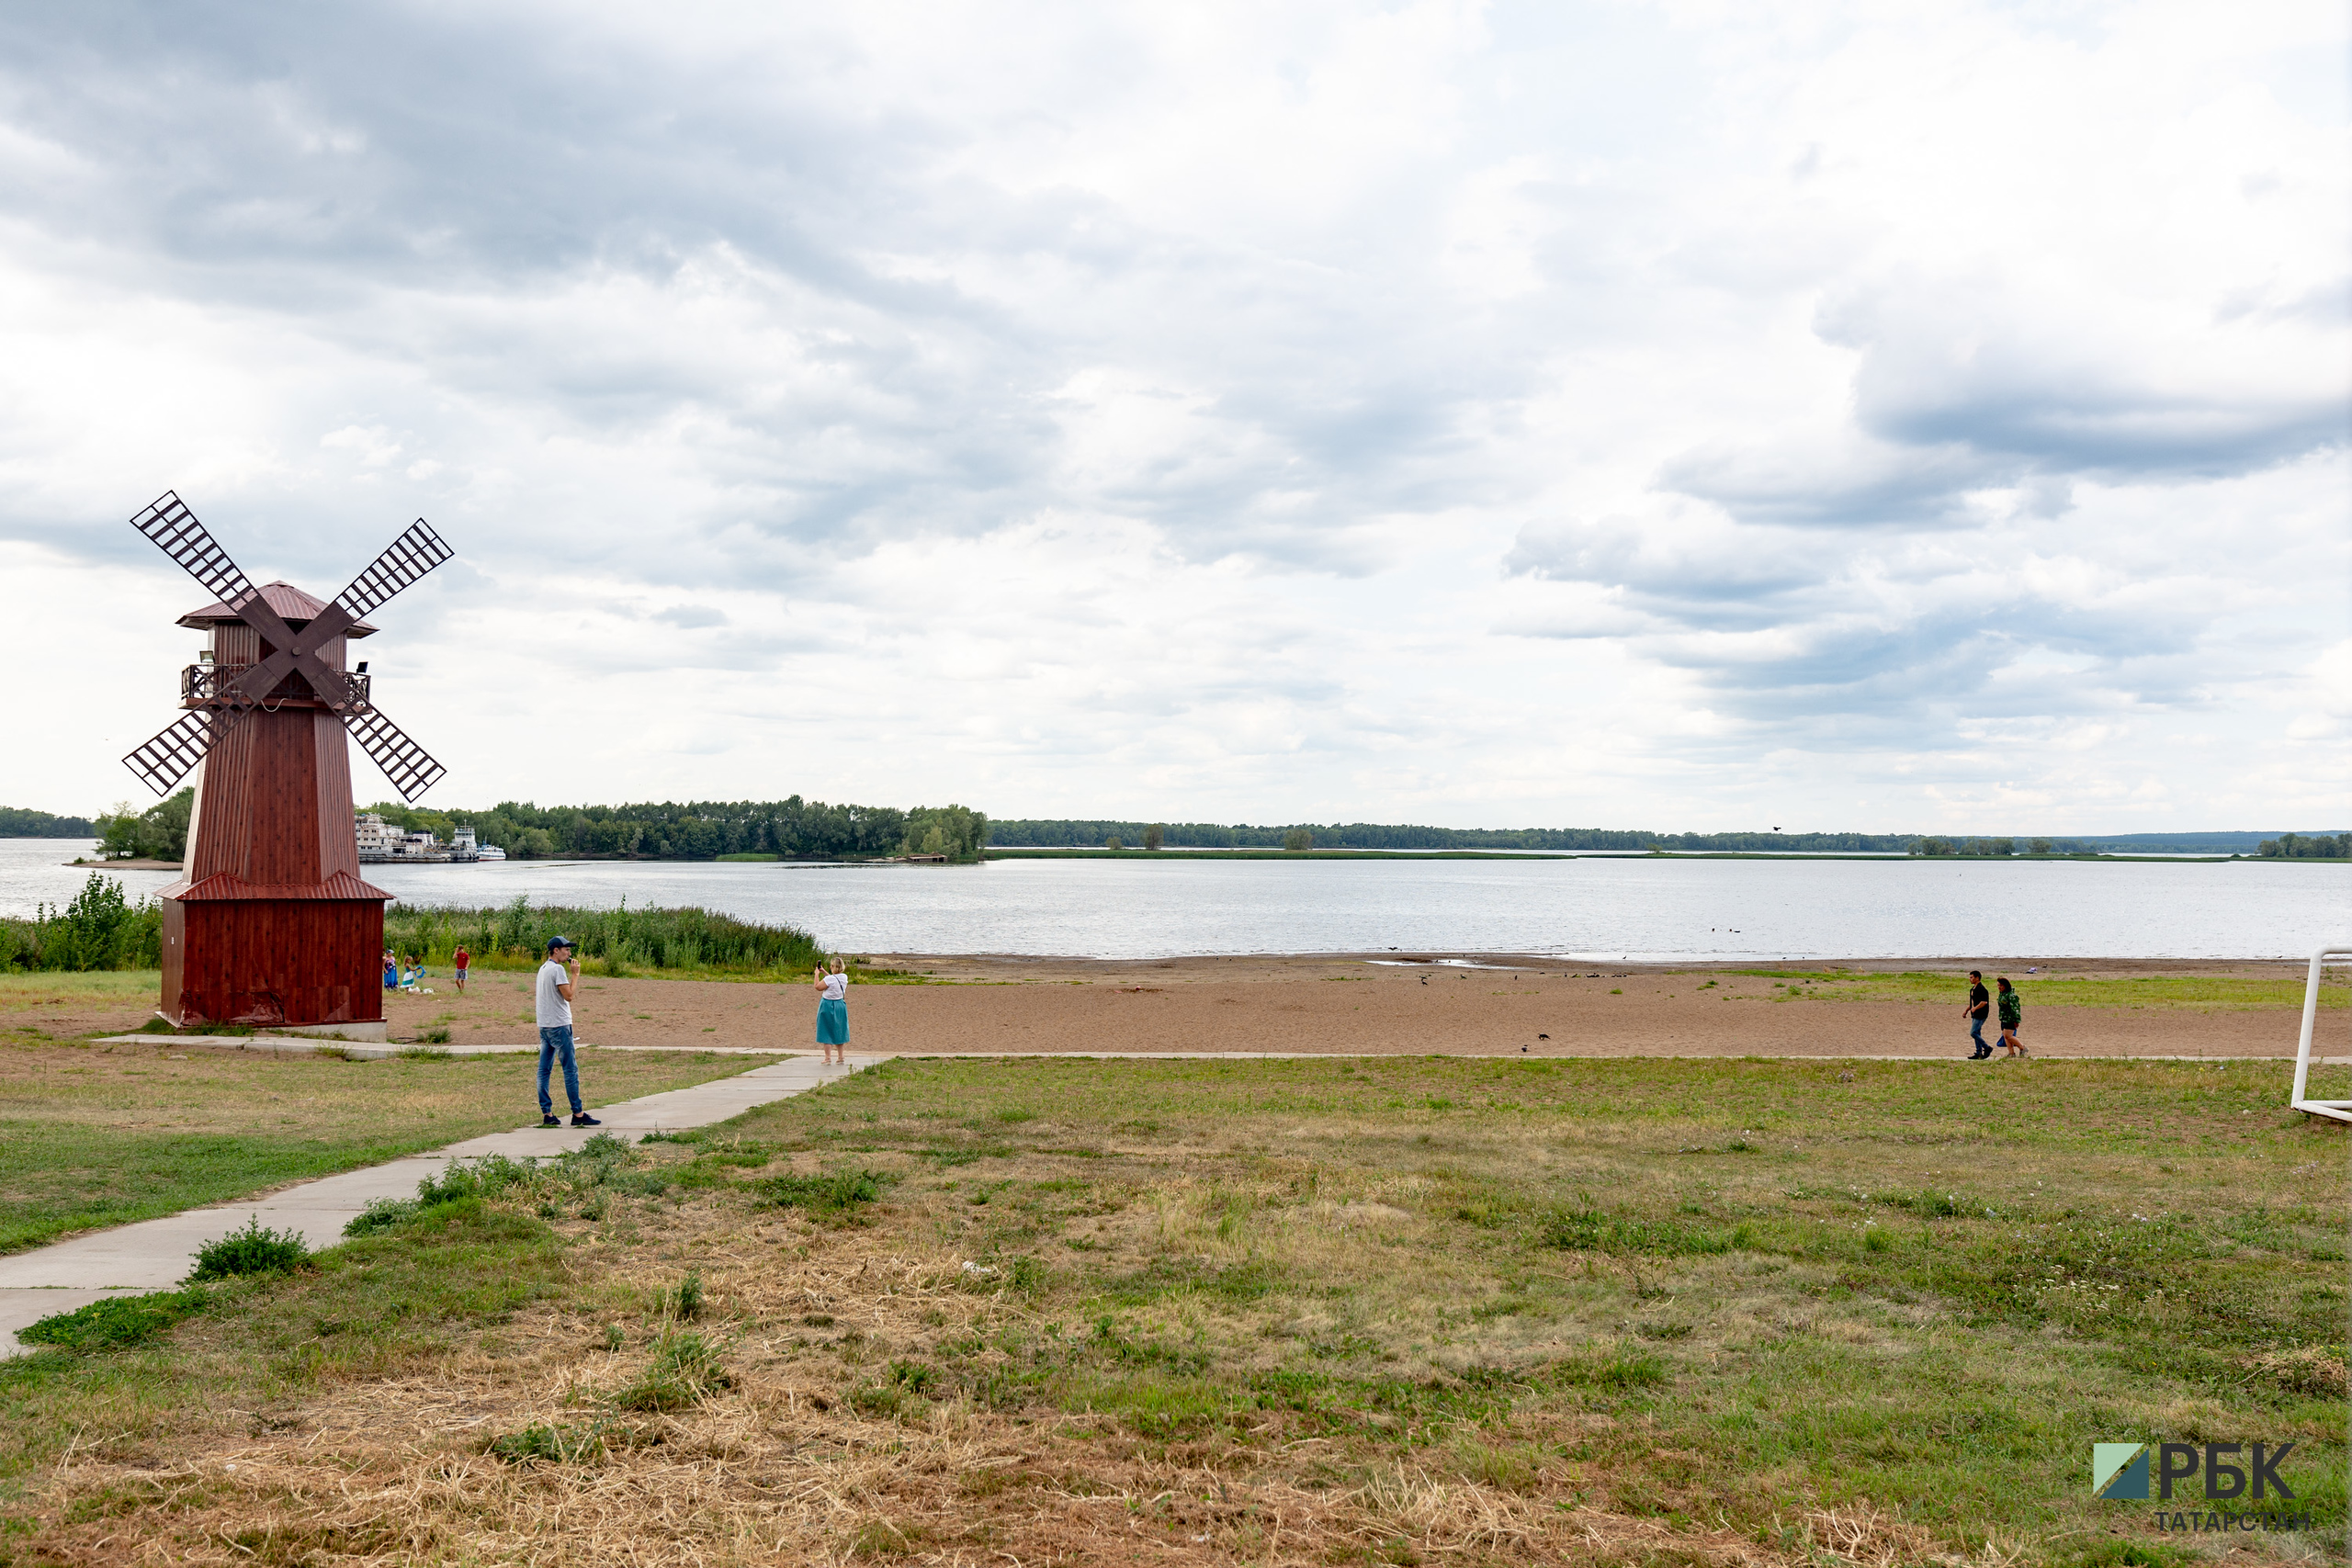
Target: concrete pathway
{"points": [[155, 1254], [1509, 1056], [363, 1051]]}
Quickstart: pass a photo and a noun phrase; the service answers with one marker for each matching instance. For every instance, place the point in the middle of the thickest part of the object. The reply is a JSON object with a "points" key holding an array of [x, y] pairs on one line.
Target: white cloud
{"points": [[1685, 415]]}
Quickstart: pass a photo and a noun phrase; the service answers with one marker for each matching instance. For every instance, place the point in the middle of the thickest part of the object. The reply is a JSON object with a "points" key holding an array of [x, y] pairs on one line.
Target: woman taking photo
{"points": [[832, 1011]]}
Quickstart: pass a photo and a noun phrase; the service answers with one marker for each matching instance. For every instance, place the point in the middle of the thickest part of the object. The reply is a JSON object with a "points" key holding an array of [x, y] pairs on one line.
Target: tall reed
{"points": [[611, 942]]}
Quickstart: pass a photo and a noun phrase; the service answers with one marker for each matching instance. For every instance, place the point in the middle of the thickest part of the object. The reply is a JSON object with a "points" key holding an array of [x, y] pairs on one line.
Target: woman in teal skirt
{"points": [[832, 1011]]}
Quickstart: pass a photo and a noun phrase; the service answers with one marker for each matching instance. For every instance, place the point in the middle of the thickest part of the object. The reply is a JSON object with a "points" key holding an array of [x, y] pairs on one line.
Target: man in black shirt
{"points": [[1980, 1007]]}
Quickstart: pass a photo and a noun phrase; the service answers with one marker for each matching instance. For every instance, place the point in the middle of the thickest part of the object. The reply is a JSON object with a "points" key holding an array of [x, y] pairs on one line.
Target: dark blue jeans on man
{"points": [[555, 1041], [1975, 1032]]}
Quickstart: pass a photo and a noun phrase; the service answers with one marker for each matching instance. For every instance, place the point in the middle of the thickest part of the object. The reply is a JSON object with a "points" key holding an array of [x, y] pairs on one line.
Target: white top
{"points": [[836, 988], [553, 1009]]}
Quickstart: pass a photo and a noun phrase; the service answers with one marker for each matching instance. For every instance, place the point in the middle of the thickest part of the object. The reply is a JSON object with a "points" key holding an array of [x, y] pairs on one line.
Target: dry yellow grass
{"points": [[905, 1381], [781, 1469]]}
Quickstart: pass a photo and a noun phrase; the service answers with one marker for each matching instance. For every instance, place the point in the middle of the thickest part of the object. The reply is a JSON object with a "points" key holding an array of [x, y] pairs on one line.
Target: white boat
{"points": [[489, 852]]}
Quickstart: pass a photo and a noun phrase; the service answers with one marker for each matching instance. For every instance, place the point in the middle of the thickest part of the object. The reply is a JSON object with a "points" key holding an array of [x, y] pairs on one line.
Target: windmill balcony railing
{"points": [[213, 685]]}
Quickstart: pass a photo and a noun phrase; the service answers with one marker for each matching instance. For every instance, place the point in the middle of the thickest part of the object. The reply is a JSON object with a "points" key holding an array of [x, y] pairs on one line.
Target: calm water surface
{"points": [[1666, 909]]}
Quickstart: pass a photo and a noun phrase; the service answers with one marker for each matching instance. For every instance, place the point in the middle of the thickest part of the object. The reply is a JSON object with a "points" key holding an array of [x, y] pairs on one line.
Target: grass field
{"points": [[2201, 993], [95, 1135], [1401, 1310], [26, 994]]}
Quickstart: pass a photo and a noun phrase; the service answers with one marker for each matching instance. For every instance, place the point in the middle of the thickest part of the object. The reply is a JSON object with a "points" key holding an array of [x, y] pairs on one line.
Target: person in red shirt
{"points": [[458, 961]]}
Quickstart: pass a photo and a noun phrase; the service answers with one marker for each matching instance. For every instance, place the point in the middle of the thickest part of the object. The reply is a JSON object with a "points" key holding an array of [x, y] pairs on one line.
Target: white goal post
{"points": [[2339, 1110]]}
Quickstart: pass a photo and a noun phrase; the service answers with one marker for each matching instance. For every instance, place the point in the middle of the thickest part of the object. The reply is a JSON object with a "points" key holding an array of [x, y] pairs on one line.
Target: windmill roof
{"points": [[292, 604]]}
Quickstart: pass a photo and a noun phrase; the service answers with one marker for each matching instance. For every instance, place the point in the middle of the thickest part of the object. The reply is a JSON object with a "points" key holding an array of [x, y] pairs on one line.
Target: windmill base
{"points": [[360, 1034], [273, 962]]}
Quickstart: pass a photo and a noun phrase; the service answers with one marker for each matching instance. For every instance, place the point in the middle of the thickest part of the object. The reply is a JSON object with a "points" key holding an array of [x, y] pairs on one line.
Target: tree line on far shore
{"points": [[795, 829], [2315, 846], [2000, 846], [1082, 833], [16, 822], [792, 829]]}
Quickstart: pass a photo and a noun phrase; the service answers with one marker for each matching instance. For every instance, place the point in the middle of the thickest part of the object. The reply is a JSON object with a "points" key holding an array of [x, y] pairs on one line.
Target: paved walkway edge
{"points": [[283, 1045], [155, 1254], [1508, 1056]]}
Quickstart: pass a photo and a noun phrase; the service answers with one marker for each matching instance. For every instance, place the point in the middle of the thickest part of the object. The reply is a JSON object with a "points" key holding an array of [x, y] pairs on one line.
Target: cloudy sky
{"points": [[1902, 416]]}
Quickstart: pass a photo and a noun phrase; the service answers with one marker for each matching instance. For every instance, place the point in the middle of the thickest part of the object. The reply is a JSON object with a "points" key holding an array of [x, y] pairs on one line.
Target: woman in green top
{"points": [[2012, 1013]]}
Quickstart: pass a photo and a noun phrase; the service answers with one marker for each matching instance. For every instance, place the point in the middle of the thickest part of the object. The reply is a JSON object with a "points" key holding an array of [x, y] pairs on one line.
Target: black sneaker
{"points": [[585, 1120], [550, 1121]]}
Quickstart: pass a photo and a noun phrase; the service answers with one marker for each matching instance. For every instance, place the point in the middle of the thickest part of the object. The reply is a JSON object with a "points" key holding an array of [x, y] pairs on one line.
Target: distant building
{"points": [[379, 842], [376, 839]]}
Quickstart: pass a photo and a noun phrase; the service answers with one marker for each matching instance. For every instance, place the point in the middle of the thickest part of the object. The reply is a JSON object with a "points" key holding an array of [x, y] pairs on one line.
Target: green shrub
{"points": [[1622, 1369], [833, 1196], [879, 1400], [684, 1371], [2127, 1555], [1932, 1205], [541, 1444], [382, 1214], [903, 1387], [98, 929], [252, 1250], [1588, 1230], [916, 1377], [116, 1323], [484, 1178]]}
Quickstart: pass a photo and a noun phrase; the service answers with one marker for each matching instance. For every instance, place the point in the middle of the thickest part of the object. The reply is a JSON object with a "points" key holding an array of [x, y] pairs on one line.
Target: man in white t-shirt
{"points": [[558, 976]]}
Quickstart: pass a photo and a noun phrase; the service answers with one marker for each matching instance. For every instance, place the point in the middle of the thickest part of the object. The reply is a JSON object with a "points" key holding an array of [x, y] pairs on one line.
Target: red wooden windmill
{"points": [[270, 922]]}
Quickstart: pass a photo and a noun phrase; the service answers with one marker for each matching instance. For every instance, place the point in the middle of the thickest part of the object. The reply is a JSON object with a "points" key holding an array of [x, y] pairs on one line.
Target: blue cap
{"points": [[556, 941]]}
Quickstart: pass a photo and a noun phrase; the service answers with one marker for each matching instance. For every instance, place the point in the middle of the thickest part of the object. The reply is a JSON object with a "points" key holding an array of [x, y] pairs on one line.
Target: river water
{"points": [[1636, 909]]}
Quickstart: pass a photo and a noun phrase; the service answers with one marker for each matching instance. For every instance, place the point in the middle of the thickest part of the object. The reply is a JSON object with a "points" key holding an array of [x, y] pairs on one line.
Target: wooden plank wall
{"points": [[263, 792], [330, 766], [273, 807], [267, 961], [236, 644]]}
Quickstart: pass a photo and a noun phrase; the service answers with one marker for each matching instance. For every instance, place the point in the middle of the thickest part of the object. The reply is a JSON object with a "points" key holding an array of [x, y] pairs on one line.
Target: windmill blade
{"points": [[410, 767], [173, 752], [174, 531], [407, 559]]}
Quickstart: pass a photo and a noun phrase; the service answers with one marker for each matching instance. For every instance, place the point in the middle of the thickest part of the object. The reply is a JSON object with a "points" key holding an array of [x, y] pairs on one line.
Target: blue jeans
{"points": [[554, 1040], [1975, 1032]]}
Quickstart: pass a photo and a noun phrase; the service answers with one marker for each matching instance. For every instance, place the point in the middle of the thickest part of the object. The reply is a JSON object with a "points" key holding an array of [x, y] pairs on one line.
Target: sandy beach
{"points": [[1362, 1004], [1343, 1004]]}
